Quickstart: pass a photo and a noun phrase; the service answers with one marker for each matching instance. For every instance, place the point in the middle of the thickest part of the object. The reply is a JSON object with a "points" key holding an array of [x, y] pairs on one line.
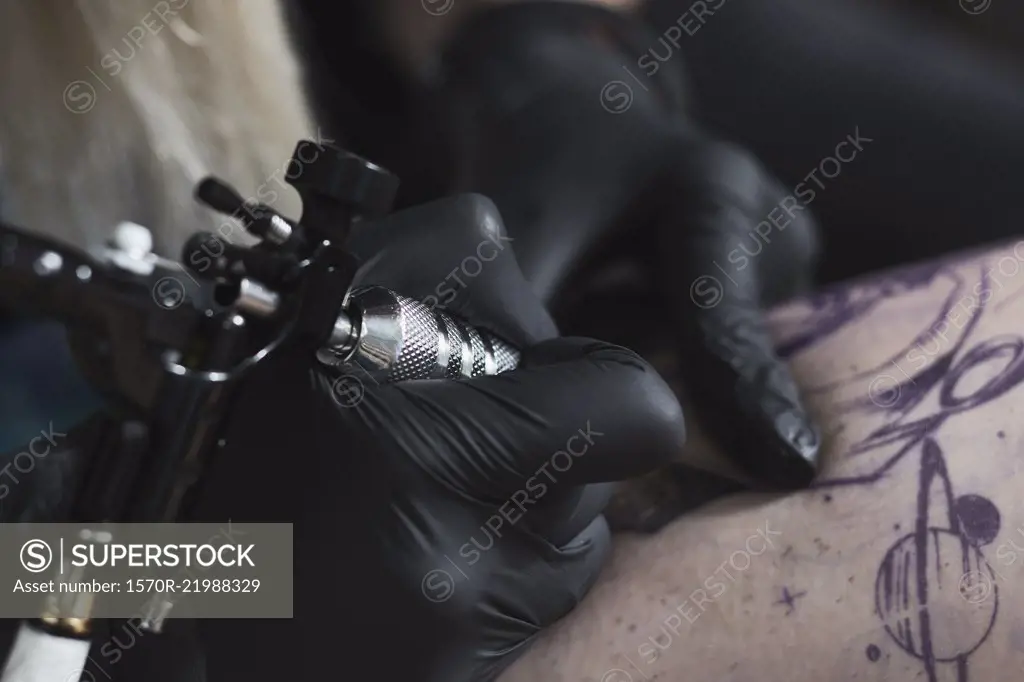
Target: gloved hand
{"points": [[440, 525], [556, 120]]}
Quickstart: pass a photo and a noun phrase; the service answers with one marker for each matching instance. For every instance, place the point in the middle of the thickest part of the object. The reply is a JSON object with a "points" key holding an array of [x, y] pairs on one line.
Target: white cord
{"points": [[40, 657]]}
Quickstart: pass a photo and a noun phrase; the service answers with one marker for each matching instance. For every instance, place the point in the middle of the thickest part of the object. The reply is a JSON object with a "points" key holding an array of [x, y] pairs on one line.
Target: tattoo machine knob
{"points": [[338, 187]]}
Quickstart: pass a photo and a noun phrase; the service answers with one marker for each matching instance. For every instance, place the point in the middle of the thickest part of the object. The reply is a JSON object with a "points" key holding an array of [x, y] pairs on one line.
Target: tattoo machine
{"points": [[170, 343]]}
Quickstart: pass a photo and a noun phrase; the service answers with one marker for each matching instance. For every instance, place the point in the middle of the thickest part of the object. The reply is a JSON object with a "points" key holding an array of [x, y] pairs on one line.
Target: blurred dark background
{"points": [[938, 84]]}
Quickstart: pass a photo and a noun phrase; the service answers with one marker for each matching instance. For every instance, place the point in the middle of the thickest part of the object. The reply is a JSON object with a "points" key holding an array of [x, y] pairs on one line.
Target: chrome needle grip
{"points": [[395, 338]]}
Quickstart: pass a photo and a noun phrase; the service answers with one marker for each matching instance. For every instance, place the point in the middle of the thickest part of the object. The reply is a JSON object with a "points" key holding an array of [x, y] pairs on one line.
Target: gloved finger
{"points": [[571, 568], [454, 253], [790, 244], [744, 392], [577, 565], [563, 515], [576, 411]]}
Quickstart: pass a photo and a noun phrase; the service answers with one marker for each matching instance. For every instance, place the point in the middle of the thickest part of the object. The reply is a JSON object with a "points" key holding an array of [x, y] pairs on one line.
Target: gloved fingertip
{"points": [[798, 444], [565, 516], [750, 401], [778, 446], [594, 536], [601, 383]]}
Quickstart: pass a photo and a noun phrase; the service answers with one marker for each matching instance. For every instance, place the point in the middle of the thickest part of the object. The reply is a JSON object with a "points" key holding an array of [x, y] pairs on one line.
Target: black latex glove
{"points": [[560, 126], [439, 524]]}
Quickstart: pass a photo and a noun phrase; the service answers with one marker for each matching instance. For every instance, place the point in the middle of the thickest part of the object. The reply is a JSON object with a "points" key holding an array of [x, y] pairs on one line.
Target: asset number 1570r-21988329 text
{"points": [[167, 585]]}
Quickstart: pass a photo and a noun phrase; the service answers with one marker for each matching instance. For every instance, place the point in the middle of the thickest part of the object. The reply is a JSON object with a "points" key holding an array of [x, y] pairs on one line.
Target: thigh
{"points": [[904, 562]]}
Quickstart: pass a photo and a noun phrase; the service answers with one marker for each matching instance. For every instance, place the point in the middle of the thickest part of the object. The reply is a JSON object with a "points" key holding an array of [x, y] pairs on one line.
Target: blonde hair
{"points": [[114, 109]]}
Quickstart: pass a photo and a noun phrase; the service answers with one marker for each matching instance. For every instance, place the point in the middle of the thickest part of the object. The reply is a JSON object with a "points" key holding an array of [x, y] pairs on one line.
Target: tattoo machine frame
{"points": [[171, 348]]}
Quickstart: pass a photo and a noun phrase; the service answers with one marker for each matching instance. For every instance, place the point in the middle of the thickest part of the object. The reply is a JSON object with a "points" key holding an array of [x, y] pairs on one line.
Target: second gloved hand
{"points": [[555, 120]]}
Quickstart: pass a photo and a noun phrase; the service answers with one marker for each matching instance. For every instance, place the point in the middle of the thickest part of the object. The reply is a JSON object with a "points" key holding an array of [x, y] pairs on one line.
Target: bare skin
{"points": [[904, 563]]}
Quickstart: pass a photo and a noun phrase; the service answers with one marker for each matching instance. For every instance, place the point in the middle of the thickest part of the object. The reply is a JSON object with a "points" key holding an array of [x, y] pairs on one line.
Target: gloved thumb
{"points": [[576, 411]]}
